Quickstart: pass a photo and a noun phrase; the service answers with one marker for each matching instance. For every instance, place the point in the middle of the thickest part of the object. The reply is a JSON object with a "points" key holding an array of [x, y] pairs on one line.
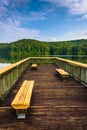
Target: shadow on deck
{"points": [[55, 104]]}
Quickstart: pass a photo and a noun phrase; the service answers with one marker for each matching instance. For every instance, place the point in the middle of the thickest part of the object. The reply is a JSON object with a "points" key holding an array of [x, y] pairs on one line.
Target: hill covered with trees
{"points": [[28, 47]]}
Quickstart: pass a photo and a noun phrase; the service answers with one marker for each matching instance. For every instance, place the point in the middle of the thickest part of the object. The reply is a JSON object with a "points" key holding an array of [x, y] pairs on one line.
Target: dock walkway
{"points": [[55, 104]]}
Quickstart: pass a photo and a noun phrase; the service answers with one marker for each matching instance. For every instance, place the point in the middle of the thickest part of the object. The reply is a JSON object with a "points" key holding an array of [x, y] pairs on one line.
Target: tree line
{"points": [[75, 49]]}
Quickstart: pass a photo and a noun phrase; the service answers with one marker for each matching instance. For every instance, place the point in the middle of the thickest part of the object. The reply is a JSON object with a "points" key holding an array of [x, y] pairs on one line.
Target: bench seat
{"points": [[62, 73], [22, 99], [34, 66]]}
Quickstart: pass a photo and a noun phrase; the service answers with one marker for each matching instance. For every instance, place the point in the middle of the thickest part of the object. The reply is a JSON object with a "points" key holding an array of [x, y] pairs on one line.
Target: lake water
{"points": [[4, 64]]}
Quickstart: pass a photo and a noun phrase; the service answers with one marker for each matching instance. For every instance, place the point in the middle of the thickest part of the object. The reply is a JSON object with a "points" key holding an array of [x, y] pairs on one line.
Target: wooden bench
{"points": [[34, 66], [21, 102], [62, 73]]}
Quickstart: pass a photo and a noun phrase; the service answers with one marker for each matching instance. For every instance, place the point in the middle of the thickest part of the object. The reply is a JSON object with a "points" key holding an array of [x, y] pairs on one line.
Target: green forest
{"points": [[75, 49]]}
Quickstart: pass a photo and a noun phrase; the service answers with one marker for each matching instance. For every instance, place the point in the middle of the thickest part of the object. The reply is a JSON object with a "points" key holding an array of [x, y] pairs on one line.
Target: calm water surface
{"points": [[4, 64]]}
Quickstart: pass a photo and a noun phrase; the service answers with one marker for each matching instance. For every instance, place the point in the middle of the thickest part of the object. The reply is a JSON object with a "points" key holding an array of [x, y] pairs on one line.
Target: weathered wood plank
{"points": [[55, 105]]}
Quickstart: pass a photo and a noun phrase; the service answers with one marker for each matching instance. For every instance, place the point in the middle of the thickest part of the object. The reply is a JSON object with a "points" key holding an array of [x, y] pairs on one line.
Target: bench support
{"points": [[21, 113]]}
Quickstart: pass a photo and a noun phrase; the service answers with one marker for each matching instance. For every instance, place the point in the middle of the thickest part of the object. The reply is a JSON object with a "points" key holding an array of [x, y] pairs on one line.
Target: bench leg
{"points": [[21, 113], [64, 78], [34, 69]]}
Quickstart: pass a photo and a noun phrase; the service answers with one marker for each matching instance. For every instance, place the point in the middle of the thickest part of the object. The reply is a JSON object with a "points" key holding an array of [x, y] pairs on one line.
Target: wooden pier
{"points": [[55, 104]]}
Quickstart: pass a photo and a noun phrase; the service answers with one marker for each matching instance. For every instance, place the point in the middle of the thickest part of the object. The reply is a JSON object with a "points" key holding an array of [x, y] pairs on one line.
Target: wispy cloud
{"points": [[10, 22], [9, 32], [11, 8], [34, 16], [81, 18], [4, 2], [9, 11], [72, 35], [14, 2], [69, 35], [41, 15], [84, 16], [74, 6], [17, 14], [53, 39]]}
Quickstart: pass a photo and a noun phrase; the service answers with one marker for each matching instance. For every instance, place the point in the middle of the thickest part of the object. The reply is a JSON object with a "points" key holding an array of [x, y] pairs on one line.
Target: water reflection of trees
{"points": [[15, 58], [74, 50]]}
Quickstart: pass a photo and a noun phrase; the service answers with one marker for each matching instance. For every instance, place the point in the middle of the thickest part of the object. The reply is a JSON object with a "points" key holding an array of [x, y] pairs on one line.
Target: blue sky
{"points": [[46, 20]]}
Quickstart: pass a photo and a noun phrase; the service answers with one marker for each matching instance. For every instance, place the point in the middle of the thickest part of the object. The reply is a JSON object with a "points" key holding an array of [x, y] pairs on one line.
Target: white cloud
{"points": [[9, 7], [84, 17], [10, 22], [54, 39], [9, 32], [8, 11], [79, 34], [3, 8]]}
